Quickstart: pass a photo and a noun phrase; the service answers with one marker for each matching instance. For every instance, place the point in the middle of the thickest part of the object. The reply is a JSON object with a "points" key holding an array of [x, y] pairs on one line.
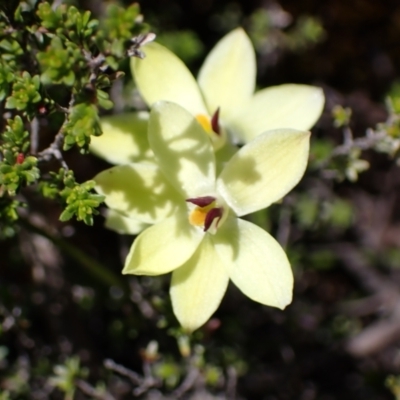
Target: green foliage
{"points": [[5, 395], [393, 384], [341, 116], [169, 371], [355, 165], [118, 29], [271, 30], [11, 50], [307, 31], [341, 213], [390, 143], [14, 173], [83, 122], [344, 161], [185, 44], [81, 203], [394, 98], [16, 382], [51, 19], [16, 170], [80, 200], [16, 138], [61, 61], [67, 22], [66, 374], [321, 259], [6, 77], [213, 375], [313, 213], [320, 150], [25, 94], [350, 165], [343, 326], [120, 22], [307, 211]]}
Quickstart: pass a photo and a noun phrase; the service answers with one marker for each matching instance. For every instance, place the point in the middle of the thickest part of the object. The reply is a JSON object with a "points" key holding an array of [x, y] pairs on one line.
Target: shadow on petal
{"points": [[139, 191], [182, 149]]}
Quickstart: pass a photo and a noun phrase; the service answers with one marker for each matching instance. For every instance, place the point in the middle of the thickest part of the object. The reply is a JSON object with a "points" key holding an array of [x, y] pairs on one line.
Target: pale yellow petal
{"points": [[161, 75], [285, 106], [139, 191], [124, 139], [257, 264], [163, 247], [197, 287], [122, 224], [182, 149], [264, 170], [227, 77]]}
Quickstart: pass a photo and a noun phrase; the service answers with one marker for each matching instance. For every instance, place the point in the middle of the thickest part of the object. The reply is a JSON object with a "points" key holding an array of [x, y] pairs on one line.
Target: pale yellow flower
{"points": [[196, 233], [226, 82]]}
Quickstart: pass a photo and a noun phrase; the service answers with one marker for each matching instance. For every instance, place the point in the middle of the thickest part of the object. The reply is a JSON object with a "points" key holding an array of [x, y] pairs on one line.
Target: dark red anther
{"points": [[211, 215], [201, 201], [20, 158], [215, 122]]}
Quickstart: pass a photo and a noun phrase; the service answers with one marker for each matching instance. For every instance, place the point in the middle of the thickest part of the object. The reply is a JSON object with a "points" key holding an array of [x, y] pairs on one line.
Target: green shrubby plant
{"points": [[56, 60]]}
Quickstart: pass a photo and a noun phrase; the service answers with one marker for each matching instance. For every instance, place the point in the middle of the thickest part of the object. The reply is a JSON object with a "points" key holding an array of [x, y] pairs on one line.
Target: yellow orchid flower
{"points": [[225, 85], [226, 82], [196, 231]]}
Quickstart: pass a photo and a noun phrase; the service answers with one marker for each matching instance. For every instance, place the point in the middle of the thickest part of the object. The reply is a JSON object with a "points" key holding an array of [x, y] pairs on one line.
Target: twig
{"points": [[143, 383], [34, 135], [386, 296], [137, 296], [356, 263], [363, 143], [377, 336], [148, 382], [231, 383], [135, 378], [54, 150], [94, 64], [188, 383], [89, 390]]}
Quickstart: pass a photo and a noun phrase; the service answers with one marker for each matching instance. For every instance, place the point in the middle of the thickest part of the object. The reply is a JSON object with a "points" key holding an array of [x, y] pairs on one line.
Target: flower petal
{"points": [[264, 170], [163, 247], [122, 224], [227, 77], [124, 139], [182, 149], [139, 191], [257, 264], [197, 287], [161, 75], [284, 106]]}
